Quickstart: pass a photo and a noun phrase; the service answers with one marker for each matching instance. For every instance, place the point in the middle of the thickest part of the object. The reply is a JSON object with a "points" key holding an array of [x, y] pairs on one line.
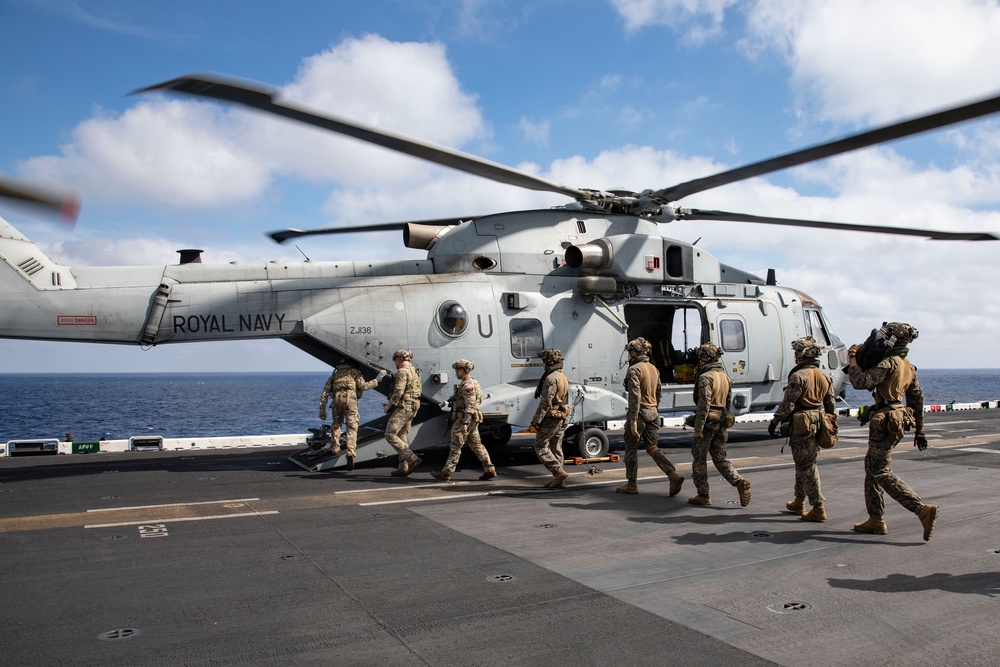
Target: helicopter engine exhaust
{"points": [[596, 256], [423, 237]]}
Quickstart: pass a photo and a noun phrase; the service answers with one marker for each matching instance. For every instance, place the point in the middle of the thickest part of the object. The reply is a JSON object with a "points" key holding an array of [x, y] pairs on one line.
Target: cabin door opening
{"points": [[674, 330]]}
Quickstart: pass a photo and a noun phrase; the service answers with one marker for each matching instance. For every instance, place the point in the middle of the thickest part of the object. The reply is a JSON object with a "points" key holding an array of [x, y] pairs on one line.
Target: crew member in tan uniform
{"points": [[713, 395], [642, 383], [465, 421], [890, 381], [403, 404], [551, 416], [343, 389], [808, 391]]}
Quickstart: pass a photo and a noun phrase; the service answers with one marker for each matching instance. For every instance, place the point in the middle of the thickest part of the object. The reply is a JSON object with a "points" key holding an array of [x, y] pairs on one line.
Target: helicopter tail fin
{"points": [[25, 267]]}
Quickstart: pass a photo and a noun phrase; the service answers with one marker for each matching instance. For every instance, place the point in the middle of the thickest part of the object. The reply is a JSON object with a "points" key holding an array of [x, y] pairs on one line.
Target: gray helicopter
{"points": [[586, 278]]}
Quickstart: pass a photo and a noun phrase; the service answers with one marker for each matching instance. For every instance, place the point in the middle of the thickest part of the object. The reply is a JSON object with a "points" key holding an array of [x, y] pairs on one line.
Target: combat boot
{"points": [[875, 525], [700, 499], [558, 479], [441, 475], [676, 479], [350, 462], [796, 506], [416, 461], [743, 487], [400, 472], [489, 473], [928, 516], [817, 514], [630, 487]]}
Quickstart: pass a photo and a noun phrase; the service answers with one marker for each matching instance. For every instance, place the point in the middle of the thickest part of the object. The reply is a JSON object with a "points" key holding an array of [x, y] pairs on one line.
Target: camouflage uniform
{"points": [[642, 422], [552, 393], [404, 403], [713, 396], [465, 421], [890, 381], [345, 387], [809, 389]]}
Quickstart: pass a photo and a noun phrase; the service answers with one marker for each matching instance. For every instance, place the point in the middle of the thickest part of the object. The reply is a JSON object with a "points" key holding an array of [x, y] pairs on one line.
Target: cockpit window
{"points": [[815, 328]]}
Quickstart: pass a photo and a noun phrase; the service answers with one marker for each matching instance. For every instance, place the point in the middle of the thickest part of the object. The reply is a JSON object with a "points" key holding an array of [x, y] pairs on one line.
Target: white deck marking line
{"points": [[394, 488], [423, 500], [148, 507], [189, 518], [979, 449]]}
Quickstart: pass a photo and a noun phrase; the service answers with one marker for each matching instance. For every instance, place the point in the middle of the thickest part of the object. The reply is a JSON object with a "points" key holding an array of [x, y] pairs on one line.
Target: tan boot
{"points": [[817, 514], [875, 525], [928, 516], [558, 479], [743, 488], [630, 487], [796, 506], [700, 500], [489, 473], [441, 475], [676, 480]]}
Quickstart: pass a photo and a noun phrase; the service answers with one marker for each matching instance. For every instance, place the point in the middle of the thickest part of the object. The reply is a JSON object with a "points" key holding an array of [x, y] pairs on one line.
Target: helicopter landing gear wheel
{"points": [[591, 443], [494, 435]]}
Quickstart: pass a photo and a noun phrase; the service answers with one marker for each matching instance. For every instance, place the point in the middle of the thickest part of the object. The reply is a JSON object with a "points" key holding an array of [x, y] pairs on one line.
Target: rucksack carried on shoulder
{"points": [[875, 349]]}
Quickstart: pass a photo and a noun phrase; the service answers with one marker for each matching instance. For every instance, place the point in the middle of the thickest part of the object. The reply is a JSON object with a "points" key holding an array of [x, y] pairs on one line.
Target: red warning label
{"points": [[76, 320]]}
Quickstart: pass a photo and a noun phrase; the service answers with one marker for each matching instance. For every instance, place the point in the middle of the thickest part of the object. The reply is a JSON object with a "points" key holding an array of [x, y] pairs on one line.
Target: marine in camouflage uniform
{"points": [[465, 421], [403, 404], [642, 423], [343, 389], [890, 381], [552, 394], [809, 392], [713, 395]]}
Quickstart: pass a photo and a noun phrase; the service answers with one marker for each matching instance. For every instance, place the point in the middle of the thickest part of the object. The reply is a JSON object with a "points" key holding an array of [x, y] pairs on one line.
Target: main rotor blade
{"points": [[258, 97], [698, 214], [66, 204], [854, 142], [288, 234]]}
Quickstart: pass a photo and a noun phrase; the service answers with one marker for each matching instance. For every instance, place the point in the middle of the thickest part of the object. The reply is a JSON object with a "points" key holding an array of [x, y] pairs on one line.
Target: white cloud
{"points": [[699, 20], [536, 133], [880, 60]]}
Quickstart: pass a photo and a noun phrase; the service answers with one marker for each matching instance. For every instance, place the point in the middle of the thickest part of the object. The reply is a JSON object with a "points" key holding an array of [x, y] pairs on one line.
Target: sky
{"points": [[601, 94]]}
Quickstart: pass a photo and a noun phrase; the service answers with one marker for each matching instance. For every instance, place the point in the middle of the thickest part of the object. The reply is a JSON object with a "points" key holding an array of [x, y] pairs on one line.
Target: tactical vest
{"points": [[720, 388], [894, 386], [813, 390]]}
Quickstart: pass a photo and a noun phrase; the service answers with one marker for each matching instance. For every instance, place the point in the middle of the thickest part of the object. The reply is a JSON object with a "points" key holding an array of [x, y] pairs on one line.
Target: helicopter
{"points": [[497, 288]]}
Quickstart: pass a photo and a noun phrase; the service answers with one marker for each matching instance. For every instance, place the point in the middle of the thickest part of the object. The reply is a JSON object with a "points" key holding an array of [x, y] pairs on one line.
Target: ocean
{"points": [[180, 405]]}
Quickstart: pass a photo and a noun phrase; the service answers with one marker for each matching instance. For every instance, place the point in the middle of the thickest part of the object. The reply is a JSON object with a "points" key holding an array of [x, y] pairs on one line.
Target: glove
{"points": [[322, 414], [381, 374], [534, 427], [920, 440], [772, 430], [698, 437]]}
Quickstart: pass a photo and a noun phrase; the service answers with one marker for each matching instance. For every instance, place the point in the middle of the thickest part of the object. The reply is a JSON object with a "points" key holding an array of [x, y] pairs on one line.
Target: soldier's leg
{"points": [[888, 481], [650, 434], [717, 449], [475, 443], [543, 449], [338, 419], [699, 465], [807, 472], [396, 431], [457, 441], [556, 442], [353, 421]]}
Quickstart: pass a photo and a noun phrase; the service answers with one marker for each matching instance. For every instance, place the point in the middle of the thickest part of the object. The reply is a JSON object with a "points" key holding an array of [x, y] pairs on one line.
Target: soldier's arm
{"points": [[324, 396], [792, 393], [703, 398], [915, 400], [634, 393], [364, 386], [870, 378], [545, 400], [398, 387]]}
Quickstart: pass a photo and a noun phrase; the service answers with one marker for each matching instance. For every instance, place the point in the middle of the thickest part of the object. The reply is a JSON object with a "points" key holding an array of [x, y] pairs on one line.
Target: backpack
{"points": [[875, 349]]}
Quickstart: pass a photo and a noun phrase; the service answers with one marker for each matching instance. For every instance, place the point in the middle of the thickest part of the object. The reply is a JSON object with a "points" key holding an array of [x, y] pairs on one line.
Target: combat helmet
{"points": [[551, 356], [708, 352], [639, 346], [904, 333], [806, 348], [467, 364], [405, 355]]}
